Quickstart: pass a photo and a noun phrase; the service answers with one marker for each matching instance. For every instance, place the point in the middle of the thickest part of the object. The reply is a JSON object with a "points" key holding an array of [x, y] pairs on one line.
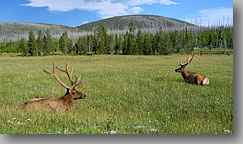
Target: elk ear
{"points": [[68, 91]]}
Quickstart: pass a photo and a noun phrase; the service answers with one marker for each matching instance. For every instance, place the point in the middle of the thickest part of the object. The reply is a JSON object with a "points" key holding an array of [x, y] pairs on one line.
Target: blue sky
{"points": [[76, 12]]}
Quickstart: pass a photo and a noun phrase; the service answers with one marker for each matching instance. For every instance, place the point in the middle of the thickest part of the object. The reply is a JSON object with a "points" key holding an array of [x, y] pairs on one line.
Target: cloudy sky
{"points": [[77, 12]]}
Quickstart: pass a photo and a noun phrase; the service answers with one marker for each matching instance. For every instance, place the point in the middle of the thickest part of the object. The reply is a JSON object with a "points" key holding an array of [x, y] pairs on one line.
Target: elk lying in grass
{"points": [[63, 103], [192, 77]]}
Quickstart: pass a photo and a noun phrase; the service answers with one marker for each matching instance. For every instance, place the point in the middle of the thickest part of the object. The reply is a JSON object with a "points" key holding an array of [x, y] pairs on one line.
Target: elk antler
{"points": [[73, 83], [69, 74], [189, 59], [58, 79], [76, 83]]}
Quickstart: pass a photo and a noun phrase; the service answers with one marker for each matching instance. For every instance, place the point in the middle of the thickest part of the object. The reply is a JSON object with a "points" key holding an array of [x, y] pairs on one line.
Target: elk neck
{"points": [[185, 74], [67, 99]]}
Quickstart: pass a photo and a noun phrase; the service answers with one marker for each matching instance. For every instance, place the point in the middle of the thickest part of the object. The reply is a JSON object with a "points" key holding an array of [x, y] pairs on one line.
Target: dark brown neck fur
{"points": [[67, 99], [185, 74]]}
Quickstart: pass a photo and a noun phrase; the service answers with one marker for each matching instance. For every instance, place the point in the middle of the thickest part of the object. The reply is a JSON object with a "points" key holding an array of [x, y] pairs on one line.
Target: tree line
{"points": [[42, 45], [133, 42]]}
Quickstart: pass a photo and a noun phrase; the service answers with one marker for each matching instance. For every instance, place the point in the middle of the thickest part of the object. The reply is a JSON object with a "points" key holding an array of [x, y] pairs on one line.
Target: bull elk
{"points": [[63, 103], [192, 77]]}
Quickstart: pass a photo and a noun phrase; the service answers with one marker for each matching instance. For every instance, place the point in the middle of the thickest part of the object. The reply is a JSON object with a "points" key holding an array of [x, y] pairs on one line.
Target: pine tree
{"points": [[55, 45], [89, 44], [45, 51], [124, 44], [75, 49], [160, 43], [209, 41], [134, 46], [182, 41], [186, 38], [102, 40], [155, 43], [140, 41], [163, 45], [118, 44], [49, 43], [24, 47], [169, 43], [70, 46], [229, 38], [147, 45], [110, 44], [176, 41], [40, 43], [130, 44], [63, 43], [84, 45], [95, 42], [32, 44], [79, 46], [132, 27]]}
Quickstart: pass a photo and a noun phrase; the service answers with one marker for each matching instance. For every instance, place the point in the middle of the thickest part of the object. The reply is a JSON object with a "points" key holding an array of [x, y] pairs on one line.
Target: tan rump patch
{"points": [[206, 81]]}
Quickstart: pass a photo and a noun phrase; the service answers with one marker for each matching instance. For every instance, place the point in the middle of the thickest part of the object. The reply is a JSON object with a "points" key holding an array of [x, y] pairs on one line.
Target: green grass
{"points": [[119, 96]]}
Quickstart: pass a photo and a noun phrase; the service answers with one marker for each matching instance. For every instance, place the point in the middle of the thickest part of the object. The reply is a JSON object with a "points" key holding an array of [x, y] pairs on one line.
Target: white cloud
{"points": [[105, 8], [135, 10], [167, 2], [84, 22], [213, 17]]}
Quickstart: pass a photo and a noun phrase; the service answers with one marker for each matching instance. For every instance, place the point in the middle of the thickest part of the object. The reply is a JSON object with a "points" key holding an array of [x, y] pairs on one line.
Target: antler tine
{"points": [[195, 56], [55, 75], [188, 59], [47, 72], [198, 55], [179, 63], [67, 72], [192, 56], [186, 62], [76, 83]]}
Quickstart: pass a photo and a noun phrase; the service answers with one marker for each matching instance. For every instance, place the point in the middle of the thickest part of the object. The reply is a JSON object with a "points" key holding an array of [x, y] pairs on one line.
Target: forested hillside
{"points": [[15, 31], [146, 23], [130, 43], [115, 25], [143, 35]]}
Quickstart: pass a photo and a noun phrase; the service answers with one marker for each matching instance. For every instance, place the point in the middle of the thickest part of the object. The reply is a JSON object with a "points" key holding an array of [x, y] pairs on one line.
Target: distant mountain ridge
{"points": [[141, 22], [115, 25], [15, 31]]}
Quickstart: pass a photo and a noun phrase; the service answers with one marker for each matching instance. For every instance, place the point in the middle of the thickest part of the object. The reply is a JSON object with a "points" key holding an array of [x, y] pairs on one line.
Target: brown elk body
{"points": [[63, 103], [192, 77]]}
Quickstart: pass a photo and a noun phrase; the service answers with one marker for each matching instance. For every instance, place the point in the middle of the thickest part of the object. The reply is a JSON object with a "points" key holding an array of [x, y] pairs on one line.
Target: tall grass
{"points": [[125, 95]]}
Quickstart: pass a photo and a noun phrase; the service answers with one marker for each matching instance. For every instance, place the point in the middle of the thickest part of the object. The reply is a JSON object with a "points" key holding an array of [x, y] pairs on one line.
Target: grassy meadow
{"points": [[125, 95]]}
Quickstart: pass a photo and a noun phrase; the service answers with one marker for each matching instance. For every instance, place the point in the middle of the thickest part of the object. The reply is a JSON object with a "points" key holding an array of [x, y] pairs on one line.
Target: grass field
{"points": [[119, 97]]}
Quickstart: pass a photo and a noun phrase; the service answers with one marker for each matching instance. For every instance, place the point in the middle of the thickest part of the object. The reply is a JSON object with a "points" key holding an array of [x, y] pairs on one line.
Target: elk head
{"points": [[182, 67], [71, 91]]}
